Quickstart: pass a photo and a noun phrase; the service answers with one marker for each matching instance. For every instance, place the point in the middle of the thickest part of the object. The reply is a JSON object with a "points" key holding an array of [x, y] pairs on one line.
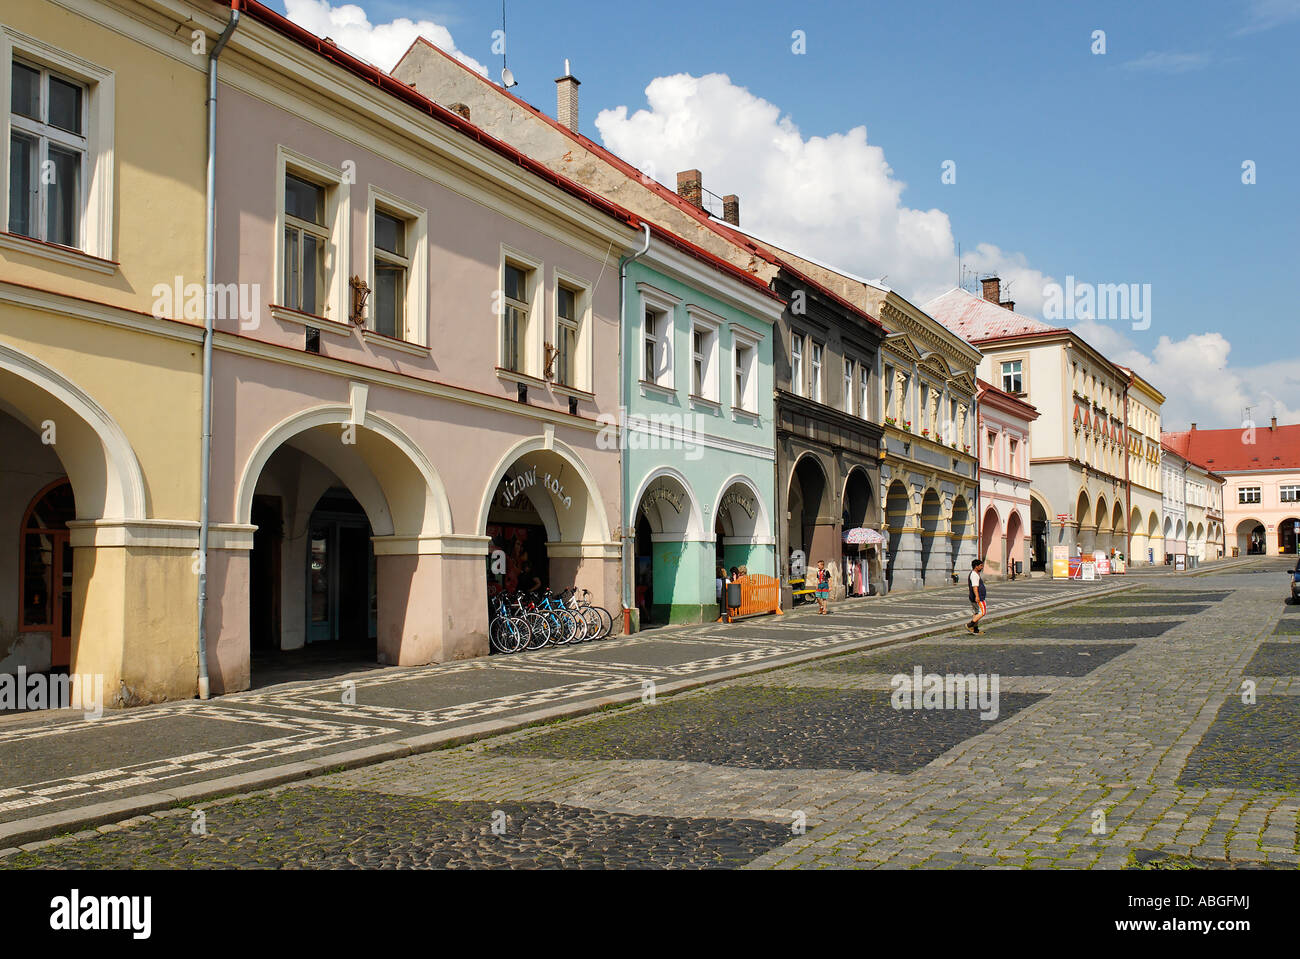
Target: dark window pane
{"points": [[22, 184], [304, 200], [516, 283], [291, 273], [25, 99], [54, 509], [390, 288], [38, 572], [65, 105], [63, 201], [313, 253], [390, 234], [568, 305]]}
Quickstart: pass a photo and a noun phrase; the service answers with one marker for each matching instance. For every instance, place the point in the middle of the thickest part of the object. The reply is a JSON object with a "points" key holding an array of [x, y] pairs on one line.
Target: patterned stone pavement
{"points": [[1114, 745], [57, 764]]}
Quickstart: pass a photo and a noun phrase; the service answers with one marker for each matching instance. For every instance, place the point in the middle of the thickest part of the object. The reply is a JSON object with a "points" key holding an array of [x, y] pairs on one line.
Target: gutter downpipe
{"points": [[210, 257], [1128, 487], [628, 541]]}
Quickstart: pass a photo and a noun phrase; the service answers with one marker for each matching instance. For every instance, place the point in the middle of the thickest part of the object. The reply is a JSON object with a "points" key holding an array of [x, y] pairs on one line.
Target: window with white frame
{"points": [[744, 394], [796, 363], [904, 398], [992, 455], [889, 393], [58, 164], [312, 226], [705, 374], [1013, 450], [306, 239], [568, 327], [1248, 494], [398, 256], [1290, 494], [516, 316], [1012, 376], [658, 310], [864, 391], [47, 155], [815, 374], [848, 385], [392, 269]]}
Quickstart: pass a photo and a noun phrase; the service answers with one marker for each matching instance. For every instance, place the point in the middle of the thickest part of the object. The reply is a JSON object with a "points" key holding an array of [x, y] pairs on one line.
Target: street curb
{"points": [[25, 832]]}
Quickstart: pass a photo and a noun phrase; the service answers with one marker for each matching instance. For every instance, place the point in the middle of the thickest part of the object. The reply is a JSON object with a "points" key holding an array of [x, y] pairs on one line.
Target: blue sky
{"points": [[1122, 167]]}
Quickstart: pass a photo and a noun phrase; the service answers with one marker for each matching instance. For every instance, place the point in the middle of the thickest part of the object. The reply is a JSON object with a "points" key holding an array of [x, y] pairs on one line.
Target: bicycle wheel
{"points": [[507, 635], [606, 621], [538, 626], [595, 625], [566, 627], [544, 635]]}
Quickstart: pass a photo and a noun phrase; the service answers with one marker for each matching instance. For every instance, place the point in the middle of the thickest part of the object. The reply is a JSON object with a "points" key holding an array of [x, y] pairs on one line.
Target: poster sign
{"points": [[1103, 566], [1088, 570], [1180, 562], [1060, 562]]}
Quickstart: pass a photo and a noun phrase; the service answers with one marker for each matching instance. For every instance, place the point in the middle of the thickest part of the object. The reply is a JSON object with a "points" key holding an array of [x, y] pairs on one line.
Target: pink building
{"points": [[396, 435], [1004, 501], [1260, 468]]}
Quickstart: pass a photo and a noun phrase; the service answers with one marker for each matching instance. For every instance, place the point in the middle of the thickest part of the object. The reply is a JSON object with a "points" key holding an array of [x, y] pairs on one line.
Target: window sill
{"points": [[665, 391], [704, 403], [572, 391], [514, 376], [375, 338], [288, 315], [740, 414], [53, 251]]}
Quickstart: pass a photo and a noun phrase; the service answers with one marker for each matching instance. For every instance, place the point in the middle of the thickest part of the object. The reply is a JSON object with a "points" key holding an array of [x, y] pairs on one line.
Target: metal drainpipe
{"points": [[1128, 489], [209, 267], [628, 542]]}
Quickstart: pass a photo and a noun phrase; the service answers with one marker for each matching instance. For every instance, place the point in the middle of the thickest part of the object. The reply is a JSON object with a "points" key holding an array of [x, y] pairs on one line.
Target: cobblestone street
{"points": [[1121, 739]]}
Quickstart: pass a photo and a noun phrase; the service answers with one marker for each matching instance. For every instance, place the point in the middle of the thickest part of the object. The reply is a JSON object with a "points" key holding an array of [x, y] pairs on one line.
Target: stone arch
{"points": [[591, 527], [386, 471], [99, 459], [688, 523], [758, 526]]}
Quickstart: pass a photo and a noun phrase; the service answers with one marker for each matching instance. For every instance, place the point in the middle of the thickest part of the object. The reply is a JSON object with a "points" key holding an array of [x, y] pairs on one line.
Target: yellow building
{"points": [[99, 368]]}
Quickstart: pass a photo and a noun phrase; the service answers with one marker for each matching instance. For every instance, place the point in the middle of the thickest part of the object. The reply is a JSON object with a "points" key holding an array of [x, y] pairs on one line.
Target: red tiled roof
{"points": [[1227, 450], [702, 217], [974, 318], [401, 91]]}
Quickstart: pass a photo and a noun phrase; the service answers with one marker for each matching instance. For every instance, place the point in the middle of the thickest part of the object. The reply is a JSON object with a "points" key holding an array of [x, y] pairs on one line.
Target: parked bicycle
{"points": [[526, 621]]}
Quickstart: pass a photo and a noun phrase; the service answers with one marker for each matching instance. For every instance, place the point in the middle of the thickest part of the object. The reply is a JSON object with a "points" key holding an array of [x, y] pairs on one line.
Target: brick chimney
{"points": [[566, 99], [731, 209], [461, 108], [1273, 425], [992, 289], [690, 187], [1193, 426], [1008, 304]]}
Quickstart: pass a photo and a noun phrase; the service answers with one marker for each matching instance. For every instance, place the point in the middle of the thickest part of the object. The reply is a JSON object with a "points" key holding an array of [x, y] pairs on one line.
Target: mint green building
{"points": [[699, 434]]}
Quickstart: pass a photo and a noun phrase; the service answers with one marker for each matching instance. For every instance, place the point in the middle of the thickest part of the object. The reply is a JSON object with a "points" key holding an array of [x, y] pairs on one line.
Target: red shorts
{"points": [[979, 607]]}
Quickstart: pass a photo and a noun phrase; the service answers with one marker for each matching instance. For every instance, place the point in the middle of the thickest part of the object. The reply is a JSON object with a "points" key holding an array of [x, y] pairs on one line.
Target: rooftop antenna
{"points": [[507, 78]]}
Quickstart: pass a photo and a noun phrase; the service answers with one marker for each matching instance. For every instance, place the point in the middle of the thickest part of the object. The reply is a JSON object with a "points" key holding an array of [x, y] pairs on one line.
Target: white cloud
{"points": [[1167, 62], [833, 198], [1199, 385], [381, 44], [1266, 14], [836, 199]]}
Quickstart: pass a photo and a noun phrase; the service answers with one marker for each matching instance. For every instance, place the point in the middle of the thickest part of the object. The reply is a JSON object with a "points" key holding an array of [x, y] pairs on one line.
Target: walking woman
{"points": [[823, 586]]}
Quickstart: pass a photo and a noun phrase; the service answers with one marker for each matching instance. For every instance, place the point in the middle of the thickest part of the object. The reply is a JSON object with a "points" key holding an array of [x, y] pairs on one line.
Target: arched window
{"points": [[45, 569]]}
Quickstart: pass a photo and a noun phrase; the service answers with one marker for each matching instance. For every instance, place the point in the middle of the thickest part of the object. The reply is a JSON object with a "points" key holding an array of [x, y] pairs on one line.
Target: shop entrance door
{"points": [[341, 601]]}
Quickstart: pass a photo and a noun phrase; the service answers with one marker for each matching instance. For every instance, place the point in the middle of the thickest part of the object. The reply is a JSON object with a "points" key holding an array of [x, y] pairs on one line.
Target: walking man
{"points": [[977, 594]]}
